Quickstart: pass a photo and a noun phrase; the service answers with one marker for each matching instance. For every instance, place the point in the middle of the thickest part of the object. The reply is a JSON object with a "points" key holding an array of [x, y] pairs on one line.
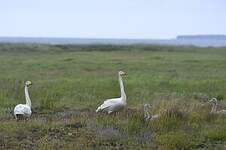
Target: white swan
{"points": [[24, 110], [214, 107], [115, 104], [147, 114]]}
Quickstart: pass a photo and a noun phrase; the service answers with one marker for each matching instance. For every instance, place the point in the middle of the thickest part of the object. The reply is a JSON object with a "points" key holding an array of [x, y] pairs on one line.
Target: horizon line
{"points": [[110, 38]]}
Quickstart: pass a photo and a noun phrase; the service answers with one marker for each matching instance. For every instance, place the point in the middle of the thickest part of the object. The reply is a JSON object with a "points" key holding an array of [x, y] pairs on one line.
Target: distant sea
{"points": [[196, 40]]}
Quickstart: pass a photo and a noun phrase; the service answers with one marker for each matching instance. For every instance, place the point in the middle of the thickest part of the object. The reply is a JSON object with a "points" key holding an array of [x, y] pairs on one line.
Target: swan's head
{"points": [[121, 73], [213, 100], [28, 83]]}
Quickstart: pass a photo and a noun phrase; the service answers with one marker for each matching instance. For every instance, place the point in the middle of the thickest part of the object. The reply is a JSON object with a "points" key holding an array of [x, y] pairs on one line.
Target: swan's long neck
{"points": [[27, 97], [123, 94]]}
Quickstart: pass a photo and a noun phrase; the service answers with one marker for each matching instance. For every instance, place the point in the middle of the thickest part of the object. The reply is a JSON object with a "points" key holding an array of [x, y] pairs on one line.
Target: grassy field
{"points": [[70, 81]]}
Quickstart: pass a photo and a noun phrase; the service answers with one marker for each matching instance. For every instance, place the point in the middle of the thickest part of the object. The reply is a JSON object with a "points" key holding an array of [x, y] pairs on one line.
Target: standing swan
{"points": [[114, 104], [24, 110], [214, 107]]}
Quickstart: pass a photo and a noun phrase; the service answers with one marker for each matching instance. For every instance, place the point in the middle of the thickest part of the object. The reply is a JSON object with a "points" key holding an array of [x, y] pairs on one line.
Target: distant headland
{"points": [[201, 37]]}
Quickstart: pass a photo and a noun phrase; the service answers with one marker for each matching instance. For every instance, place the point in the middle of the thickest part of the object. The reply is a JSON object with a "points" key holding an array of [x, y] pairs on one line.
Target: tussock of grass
{"points": [[215, 133], [175, 140], [136, 123]]}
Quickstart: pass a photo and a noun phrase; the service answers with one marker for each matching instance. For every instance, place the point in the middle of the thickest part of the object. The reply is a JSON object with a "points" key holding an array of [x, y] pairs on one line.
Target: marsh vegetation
{"points": [[70, 81]]}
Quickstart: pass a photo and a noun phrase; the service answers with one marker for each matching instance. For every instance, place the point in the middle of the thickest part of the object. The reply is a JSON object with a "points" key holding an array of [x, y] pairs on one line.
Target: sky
{"points": [[145, 19]]}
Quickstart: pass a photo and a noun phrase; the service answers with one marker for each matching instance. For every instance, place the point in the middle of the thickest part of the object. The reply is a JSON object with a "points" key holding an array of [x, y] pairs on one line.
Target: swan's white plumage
{"points": [[114, 104], [24, 109], [111, 105]]}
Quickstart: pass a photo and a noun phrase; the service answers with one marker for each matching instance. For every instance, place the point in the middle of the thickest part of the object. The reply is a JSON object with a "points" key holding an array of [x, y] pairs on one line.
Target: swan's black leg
{"points": [[19, 117]]}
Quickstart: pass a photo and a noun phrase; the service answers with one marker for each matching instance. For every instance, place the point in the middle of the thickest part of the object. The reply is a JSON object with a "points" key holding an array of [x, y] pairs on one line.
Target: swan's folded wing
{"points": [[19, 109], [108, 103], [22, 109], [111, 101], [27, 111]]}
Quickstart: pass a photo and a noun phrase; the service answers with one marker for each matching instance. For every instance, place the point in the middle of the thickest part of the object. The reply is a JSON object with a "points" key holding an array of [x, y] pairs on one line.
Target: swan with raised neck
{"points": [[115, 104], [24, 110]]}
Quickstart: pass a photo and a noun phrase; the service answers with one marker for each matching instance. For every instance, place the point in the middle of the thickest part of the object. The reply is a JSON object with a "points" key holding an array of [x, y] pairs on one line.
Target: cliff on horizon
{"points": [[202, 37]]}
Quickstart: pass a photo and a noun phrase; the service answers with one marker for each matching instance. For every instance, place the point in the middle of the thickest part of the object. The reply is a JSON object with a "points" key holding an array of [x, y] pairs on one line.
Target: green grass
{"points": [[178, 140], [70, 81]]}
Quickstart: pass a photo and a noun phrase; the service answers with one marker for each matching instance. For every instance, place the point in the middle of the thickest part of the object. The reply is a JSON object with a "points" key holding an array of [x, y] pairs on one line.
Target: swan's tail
{"points": [[98, 109]]}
